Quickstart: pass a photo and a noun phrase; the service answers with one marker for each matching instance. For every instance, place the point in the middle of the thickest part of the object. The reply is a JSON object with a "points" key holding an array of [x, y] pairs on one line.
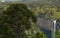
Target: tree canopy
{"points": [[15, 20]]}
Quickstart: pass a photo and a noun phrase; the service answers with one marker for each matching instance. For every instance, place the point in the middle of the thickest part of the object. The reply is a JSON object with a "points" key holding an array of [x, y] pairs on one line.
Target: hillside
{"points": [[47, 11]]}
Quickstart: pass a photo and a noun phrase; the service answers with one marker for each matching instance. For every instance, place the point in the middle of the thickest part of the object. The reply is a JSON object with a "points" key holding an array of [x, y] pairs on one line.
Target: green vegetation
{"points": [[49, 13], [17, 21]]}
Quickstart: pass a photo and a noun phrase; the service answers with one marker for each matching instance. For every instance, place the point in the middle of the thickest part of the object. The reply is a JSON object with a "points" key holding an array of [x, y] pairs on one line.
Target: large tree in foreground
{"points": [[15, 20]]}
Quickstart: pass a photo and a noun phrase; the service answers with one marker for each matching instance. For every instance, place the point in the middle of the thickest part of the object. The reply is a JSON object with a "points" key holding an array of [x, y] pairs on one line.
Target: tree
{"points": [[39, 35], [58, 34], [15, 20]]}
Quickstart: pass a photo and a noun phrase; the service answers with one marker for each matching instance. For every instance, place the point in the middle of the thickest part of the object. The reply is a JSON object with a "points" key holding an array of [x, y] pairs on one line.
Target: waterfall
{"points": [[54, 29]]}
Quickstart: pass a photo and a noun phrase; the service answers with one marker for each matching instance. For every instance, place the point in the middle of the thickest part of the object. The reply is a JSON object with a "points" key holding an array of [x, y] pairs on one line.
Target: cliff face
{"points": [[45, 23]]}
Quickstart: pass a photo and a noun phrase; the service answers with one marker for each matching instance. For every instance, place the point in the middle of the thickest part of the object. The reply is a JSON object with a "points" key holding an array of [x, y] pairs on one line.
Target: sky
{"points": [[29, 0], [10, 0], [18, 0]]}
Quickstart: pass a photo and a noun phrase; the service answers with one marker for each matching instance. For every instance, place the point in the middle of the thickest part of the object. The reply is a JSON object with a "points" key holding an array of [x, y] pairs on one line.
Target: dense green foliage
{"points": [[16, 21], [39, 35], [49, 13]]}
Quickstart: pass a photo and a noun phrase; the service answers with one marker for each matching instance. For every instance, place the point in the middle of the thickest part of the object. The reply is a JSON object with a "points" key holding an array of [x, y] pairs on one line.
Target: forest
{"points": [[19, 20]]}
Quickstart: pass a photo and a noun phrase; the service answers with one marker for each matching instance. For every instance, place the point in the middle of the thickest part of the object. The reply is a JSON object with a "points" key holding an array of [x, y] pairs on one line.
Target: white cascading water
{"points": [[54, 29]]}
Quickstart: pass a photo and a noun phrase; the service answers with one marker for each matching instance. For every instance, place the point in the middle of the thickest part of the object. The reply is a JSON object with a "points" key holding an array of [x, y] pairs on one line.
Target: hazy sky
{"points": [[10, 0], [27, 0], [18, 0]]}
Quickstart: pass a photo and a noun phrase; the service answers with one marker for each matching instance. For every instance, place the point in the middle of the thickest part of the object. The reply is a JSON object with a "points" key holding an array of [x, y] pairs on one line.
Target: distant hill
{"points": [[28, 1], [34, 0]]}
